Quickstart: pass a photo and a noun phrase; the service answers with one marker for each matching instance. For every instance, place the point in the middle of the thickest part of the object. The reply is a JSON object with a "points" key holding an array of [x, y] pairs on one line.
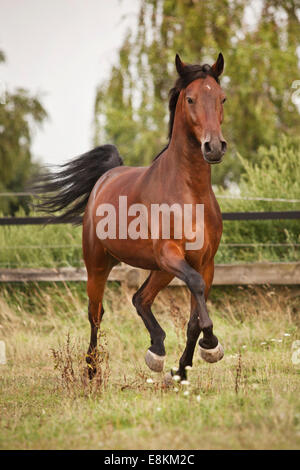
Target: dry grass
{"points": [[69, 360], [249, 400]]}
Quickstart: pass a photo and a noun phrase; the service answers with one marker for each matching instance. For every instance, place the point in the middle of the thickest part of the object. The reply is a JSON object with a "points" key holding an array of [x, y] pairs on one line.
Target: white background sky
{"points": [[62, 49]]}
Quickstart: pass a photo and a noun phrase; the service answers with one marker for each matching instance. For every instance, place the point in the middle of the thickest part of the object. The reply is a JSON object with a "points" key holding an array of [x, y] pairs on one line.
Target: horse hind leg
{"points": [[142, 300], [97, 278], [95, 313]]}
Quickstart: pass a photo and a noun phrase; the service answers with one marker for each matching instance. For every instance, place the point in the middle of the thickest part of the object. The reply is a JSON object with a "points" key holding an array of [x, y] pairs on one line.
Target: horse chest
{"points": [[212, 229]]}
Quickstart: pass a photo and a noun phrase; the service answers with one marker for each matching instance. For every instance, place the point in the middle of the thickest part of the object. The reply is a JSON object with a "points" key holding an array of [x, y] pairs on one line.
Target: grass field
{"points": [[250, 400]]}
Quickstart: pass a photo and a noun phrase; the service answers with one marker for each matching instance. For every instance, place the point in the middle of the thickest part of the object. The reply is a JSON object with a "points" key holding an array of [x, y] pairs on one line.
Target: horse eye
{"points": [[189, 100]]}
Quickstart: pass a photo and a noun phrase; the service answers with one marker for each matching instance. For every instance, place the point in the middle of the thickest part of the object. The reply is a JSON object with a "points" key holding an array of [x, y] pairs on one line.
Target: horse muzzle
{"points": [[213, 150]]}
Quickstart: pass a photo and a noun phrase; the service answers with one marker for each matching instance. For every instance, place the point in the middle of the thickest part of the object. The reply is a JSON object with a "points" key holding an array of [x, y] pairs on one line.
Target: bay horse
{"points": [[180, 174]]}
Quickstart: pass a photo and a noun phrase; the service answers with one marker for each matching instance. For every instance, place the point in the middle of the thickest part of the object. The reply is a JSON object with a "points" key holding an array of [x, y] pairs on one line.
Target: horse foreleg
{"points": [[193, 332], [193, 329], [172, 260]]}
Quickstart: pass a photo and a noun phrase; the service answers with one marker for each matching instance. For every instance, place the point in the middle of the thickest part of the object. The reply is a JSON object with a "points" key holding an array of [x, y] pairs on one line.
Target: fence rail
{"points": [[266, 215], [234, 274], [225, 274]]}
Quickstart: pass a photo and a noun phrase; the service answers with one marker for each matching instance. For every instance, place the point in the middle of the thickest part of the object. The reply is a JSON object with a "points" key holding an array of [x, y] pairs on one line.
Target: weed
{"points": [[70, 361]]}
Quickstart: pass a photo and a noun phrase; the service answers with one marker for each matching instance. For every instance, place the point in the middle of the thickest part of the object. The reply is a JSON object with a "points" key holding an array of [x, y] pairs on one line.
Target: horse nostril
{"points": [[207, 147], [224, 146]]}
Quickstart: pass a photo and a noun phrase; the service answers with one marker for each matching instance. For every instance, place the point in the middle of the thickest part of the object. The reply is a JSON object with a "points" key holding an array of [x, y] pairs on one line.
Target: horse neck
{"points": [[184, 157]]}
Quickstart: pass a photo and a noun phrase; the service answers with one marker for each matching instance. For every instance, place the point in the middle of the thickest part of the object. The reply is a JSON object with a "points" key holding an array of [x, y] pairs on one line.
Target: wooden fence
{"points": [[225, 274]]}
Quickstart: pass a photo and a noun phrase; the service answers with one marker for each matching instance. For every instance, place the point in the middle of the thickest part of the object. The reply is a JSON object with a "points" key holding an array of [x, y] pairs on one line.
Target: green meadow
{"points": [[249, 400]]}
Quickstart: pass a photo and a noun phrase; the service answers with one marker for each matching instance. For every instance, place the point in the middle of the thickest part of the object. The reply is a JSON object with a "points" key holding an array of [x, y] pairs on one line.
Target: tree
{"points": [[19, 115], [260, 66]]}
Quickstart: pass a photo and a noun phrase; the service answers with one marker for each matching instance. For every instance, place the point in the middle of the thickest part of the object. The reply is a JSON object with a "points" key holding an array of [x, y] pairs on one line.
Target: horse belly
{"points": [[137, 253]]}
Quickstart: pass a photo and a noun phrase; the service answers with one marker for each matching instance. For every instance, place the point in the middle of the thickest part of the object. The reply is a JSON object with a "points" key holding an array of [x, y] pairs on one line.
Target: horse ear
{"points": [[179, 65], [218, 66]]}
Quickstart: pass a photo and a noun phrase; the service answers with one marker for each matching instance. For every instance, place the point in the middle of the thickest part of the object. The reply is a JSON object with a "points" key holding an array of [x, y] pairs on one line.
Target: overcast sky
{"points": [[61, 49]]}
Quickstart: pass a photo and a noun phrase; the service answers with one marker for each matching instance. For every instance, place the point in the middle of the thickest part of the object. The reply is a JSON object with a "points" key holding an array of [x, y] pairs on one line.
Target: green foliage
{"points": [[260, 66], [18, 117], [275, 176]]}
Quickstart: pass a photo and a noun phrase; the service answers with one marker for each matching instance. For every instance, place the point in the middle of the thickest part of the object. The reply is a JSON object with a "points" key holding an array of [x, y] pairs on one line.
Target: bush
{"points": [[277, 176]]}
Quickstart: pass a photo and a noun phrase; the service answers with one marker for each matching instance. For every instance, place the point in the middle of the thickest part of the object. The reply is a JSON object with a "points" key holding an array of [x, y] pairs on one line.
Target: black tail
{"points": [[72, 184]]}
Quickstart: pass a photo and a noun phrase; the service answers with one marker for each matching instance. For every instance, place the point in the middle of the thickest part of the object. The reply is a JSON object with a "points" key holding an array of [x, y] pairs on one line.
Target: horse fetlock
{"points": [[161, 336], [209, 341], [92, 372], [91, 367], [206, 326]]}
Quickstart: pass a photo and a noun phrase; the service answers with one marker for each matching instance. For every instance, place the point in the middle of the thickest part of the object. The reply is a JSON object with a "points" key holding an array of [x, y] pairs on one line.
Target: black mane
{"points": [[190, 73]]}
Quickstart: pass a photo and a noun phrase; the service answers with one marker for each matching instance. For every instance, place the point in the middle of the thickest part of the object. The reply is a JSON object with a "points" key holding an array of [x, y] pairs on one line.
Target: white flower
{"points": [[175, 369], [279, 341], [186, 393], [263, 343], [176, 378], [188, 367], [286, 334], [150, 381], [185, 382], [158, 409], [198, 398], [176, 389]]}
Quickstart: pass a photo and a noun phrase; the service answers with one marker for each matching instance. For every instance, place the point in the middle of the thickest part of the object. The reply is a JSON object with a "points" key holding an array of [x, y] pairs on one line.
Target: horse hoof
{"points": [[154, 362], [212, 355], [168, 379]]}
